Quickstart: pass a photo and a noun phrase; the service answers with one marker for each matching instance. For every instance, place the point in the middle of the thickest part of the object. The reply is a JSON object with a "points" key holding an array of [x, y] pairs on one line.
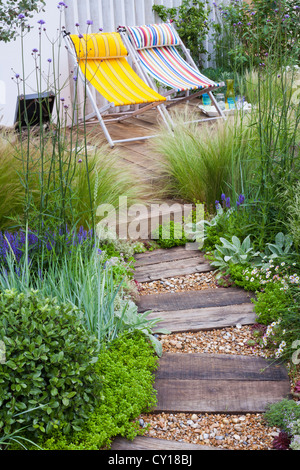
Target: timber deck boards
{"points": [[215, 383], [162, 264], [211, 297], [199, 310], [192, 320], [151, 443]]}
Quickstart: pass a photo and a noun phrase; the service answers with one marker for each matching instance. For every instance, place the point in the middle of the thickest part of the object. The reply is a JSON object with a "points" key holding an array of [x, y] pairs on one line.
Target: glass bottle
{"points": [[230, 98]]}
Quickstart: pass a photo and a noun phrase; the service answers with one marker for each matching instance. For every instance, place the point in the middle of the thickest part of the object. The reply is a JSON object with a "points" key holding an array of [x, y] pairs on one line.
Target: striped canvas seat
{"points": [[156, 46], [102, 60]]}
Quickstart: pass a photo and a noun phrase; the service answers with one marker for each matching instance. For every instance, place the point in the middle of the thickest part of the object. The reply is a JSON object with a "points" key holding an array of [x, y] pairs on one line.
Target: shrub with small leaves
{"points": [[127, 367], [281, 414], [271, 303], [50, 364], [170, 234]]}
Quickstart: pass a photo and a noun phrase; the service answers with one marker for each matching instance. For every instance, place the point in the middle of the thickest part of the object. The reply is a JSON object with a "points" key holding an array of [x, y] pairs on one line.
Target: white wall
{"points": [[11, 61]]}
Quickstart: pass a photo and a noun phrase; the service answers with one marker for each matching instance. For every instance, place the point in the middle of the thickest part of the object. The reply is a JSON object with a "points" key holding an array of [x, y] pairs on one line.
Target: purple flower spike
{"points": [[21, 16], [89, 22], [17, 76], [241, 198], [35, 50], [228, 202], [218, 205], [223, 197], [49, 60], [80, 160], [41, 22]]}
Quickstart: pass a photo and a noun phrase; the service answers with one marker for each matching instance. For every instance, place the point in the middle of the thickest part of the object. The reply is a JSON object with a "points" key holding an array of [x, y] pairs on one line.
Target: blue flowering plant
{"points": [[39, 249], [231, 219]]}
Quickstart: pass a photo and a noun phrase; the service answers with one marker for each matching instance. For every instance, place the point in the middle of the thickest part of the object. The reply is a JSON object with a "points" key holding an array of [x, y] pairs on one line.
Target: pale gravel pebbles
{"points": [[197, 281], [230, 340], [233, 432]]}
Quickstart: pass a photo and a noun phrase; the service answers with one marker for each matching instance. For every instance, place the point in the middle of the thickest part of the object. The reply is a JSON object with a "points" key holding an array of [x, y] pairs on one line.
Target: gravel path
{"points": [[234, 432], [189, 282]]}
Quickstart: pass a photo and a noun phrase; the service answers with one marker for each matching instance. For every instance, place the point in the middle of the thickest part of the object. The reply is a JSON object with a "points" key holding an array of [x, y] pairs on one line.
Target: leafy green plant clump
{"points": [[50, 364], [191, 20], [234, 251], [271, 303], [169, 235], [127, 370], [237, 273], [282, 414]]}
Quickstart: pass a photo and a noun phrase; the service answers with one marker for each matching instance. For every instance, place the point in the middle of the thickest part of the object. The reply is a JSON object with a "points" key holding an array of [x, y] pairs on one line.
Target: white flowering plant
{"points": [[282, 273], [270, 338]]}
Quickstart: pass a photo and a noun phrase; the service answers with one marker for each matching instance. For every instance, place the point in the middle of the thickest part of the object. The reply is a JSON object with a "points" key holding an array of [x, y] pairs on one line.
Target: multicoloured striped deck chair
{"points": [[100, 60], [155, 47]]}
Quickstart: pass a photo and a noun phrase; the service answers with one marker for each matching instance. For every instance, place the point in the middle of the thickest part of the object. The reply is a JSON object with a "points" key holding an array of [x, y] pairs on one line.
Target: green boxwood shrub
{"points": [[127, 368], [50, 361]]}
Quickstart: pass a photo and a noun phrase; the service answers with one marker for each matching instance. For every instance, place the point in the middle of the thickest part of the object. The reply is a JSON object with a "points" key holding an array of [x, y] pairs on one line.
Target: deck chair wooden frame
{"points": [[90, 68], [149, 74]]}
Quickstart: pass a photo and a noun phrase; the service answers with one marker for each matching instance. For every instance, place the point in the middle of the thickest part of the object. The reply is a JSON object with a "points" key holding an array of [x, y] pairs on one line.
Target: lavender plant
{"points": [[17, 243]]}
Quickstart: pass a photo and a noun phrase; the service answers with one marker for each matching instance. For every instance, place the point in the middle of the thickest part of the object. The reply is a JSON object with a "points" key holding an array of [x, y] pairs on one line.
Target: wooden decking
{"points": [[138, 155]]}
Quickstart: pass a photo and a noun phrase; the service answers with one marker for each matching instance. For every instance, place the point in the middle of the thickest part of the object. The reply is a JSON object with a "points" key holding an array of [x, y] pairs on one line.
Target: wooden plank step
{"points": [[171, 269], [187, 300], [208, 366], [163, 255], [177, 321], [152, 443], [215, 383]]}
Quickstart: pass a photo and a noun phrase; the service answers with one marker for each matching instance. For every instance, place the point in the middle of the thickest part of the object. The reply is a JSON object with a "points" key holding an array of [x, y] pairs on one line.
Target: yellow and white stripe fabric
{"points": [[102, 59]]}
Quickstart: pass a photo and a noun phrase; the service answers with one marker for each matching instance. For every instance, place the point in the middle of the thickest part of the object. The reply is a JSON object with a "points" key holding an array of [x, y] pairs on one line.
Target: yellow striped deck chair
{"points": [[100, 60]]}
